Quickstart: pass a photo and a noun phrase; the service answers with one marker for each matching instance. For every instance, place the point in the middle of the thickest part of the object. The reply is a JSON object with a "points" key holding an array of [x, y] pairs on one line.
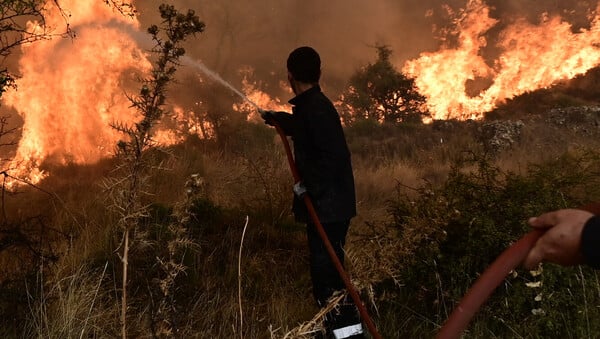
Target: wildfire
{"points": [[532, 57], [71, 90], [260, 98], [191, 122]]}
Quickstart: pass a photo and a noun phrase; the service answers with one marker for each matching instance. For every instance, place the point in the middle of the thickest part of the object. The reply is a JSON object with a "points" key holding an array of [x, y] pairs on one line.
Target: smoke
{"points": [[70, 83], [261, 33]]}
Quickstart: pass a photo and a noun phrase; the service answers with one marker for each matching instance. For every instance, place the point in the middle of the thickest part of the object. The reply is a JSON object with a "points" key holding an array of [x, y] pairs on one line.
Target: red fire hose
{"points": [[491, 278], [479, 292], [486, 284], [313, 214]]}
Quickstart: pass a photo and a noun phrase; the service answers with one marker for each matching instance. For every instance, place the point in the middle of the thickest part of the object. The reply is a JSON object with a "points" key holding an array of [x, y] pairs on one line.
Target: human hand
{"points": [[561, 244], [267, 115]]}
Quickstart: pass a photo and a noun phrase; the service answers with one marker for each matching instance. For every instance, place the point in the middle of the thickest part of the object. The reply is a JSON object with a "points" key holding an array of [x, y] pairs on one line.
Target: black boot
{"points": [[344, 322]]}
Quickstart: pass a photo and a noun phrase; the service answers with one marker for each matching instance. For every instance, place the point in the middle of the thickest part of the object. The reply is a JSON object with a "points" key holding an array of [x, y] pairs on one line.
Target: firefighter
{"points": [[323, 161]]}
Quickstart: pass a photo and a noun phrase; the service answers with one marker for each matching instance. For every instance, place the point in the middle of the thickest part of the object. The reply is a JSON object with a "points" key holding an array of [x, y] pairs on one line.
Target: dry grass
{"points": [[73, 307], [275, 283]]}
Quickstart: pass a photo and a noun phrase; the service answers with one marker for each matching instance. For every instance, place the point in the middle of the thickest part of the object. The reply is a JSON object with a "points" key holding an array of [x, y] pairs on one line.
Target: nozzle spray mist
{"points": [[215, 76]]}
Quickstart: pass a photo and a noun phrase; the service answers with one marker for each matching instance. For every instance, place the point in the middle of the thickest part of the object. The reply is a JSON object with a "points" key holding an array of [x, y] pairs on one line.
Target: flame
{"points": [[71, 90], [532, 57], [261, 99], [190, 122]]}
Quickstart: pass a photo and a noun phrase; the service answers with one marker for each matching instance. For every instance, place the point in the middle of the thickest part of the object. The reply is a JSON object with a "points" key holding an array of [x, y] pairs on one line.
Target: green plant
{"points": [[452, 232], [381, 93]]}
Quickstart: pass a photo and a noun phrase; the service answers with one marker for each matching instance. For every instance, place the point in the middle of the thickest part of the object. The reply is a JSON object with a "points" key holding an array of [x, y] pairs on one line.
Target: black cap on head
{"points": [[305, 64]]}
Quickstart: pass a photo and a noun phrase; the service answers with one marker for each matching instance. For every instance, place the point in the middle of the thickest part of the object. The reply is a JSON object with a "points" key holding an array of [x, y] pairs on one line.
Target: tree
{"points": [[378, 91], [15, 30]]}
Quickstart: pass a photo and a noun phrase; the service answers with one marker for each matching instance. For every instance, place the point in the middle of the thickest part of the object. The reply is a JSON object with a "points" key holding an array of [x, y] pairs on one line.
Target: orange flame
{"points": [[533, 57], [190, 122], [71, 90], [263, 100]]}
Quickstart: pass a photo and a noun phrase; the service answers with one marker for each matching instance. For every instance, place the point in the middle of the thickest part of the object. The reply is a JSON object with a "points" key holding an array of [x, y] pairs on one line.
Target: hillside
{"points": [[65, 237]]}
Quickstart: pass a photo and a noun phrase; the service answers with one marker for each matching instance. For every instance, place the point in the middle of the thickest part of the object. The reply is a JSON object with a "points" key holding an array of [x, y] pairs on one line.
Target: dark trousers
{"points": [[325, 277]]}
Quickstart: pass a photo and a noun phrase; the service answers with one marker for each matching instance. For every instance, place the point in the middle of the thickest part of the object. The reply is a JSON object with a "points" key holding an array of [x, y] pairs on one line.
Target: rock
{"points": [[499, 135], [580, 119]]}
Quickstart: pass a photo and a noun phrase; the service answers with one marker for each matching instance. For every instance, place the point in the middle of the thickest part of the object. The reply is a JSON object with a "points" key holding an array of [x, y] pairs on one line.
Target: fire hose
{"points": [[313, 215], [491, 278], [479, 292]]}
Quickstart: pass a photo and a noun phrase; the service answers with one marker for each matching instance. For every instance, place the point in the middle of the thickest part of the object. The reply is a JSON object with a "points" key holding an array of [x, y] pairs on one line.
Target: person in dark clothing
{"points": [[323, 161], [572, 238]]}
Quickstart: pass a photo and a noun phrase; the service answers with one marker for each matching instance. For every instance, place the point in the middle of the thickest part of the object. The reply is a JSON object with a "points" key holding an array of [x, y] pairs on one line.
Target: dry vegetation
{"points": [[66, 282], [436, 204]]}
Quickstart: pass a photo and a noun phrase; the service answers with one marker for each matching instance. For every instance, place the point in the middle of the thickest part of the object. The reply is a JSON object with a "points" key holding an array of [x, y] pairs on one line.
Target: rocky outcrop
{"points": [[499, 135], [580, 119]]}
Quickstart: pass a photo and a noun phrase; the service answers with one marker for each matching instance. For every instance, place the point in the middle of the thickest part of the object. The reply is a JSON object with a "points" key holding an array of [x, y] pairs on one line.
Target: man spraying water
{"points": [[323, 162]]}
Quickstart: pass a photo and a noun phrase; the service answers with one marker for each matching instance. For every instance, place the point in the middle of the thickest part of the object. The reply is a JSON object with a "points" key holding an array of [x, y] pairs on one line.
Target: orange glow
{"points": [[260, 98], [191, 123], [532, 57], [71, 90]]}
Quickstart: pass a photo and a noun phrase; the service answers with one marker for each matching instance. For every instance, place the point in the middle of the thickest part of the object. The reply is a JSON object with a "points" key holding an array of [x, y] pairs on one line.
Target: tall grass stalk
{"points": [[240, 280], [585, 303], [93, 301]]}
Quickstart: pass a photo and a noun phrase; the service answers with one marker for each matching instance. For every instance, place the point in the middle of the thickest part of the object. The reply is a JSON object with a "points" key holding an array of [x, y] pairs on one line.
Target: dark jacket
{"points": [[322, 157], [590, 242]]}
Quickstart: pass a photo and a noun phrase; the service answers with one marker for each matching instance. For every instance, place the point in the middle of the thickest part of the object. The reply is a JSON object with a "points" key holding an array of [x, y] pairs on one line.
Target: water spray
{"points": [[215, 76]]}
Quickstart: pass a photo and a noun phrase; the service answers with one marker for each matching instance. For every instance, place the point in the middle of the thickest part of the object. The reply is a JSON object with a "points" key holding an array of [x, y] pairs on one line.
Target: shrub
{"points": [[451, 233], [380, 92]]}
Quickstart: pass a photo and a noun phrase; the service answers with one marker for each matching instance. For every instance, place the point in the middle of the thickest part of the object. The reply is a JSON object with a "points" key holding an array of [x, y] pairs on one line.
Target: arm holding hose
{"points": [[566, 237], [284, 119], [572, 237]]}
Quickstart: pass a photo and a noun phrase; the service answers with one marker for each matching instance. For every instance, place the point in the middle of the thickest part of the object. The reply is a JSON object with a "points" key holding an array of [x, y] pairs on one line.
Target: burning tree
{"points": [[378, 91], [22, 22], [16, 29]]}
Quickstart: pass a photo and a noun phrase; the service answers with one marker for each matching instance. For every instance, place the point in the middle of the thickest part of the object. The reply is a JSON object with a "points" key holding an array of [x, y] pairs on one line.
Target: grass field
{"points": [[436, 204]]}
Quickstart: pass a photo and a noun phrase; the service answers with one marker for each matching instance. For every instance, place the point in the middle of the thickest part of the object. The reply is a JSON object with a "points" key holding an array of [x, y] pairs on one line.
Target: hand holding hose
{"points": [[561, 243], [268, 116], [299, 189], [556, 238]]}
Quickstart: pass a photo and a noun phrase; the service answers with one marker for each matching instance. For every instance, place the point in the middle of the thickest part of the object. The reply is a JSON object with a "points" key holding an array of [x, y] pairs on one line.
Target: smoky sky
{"points": [[261, 33]]}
